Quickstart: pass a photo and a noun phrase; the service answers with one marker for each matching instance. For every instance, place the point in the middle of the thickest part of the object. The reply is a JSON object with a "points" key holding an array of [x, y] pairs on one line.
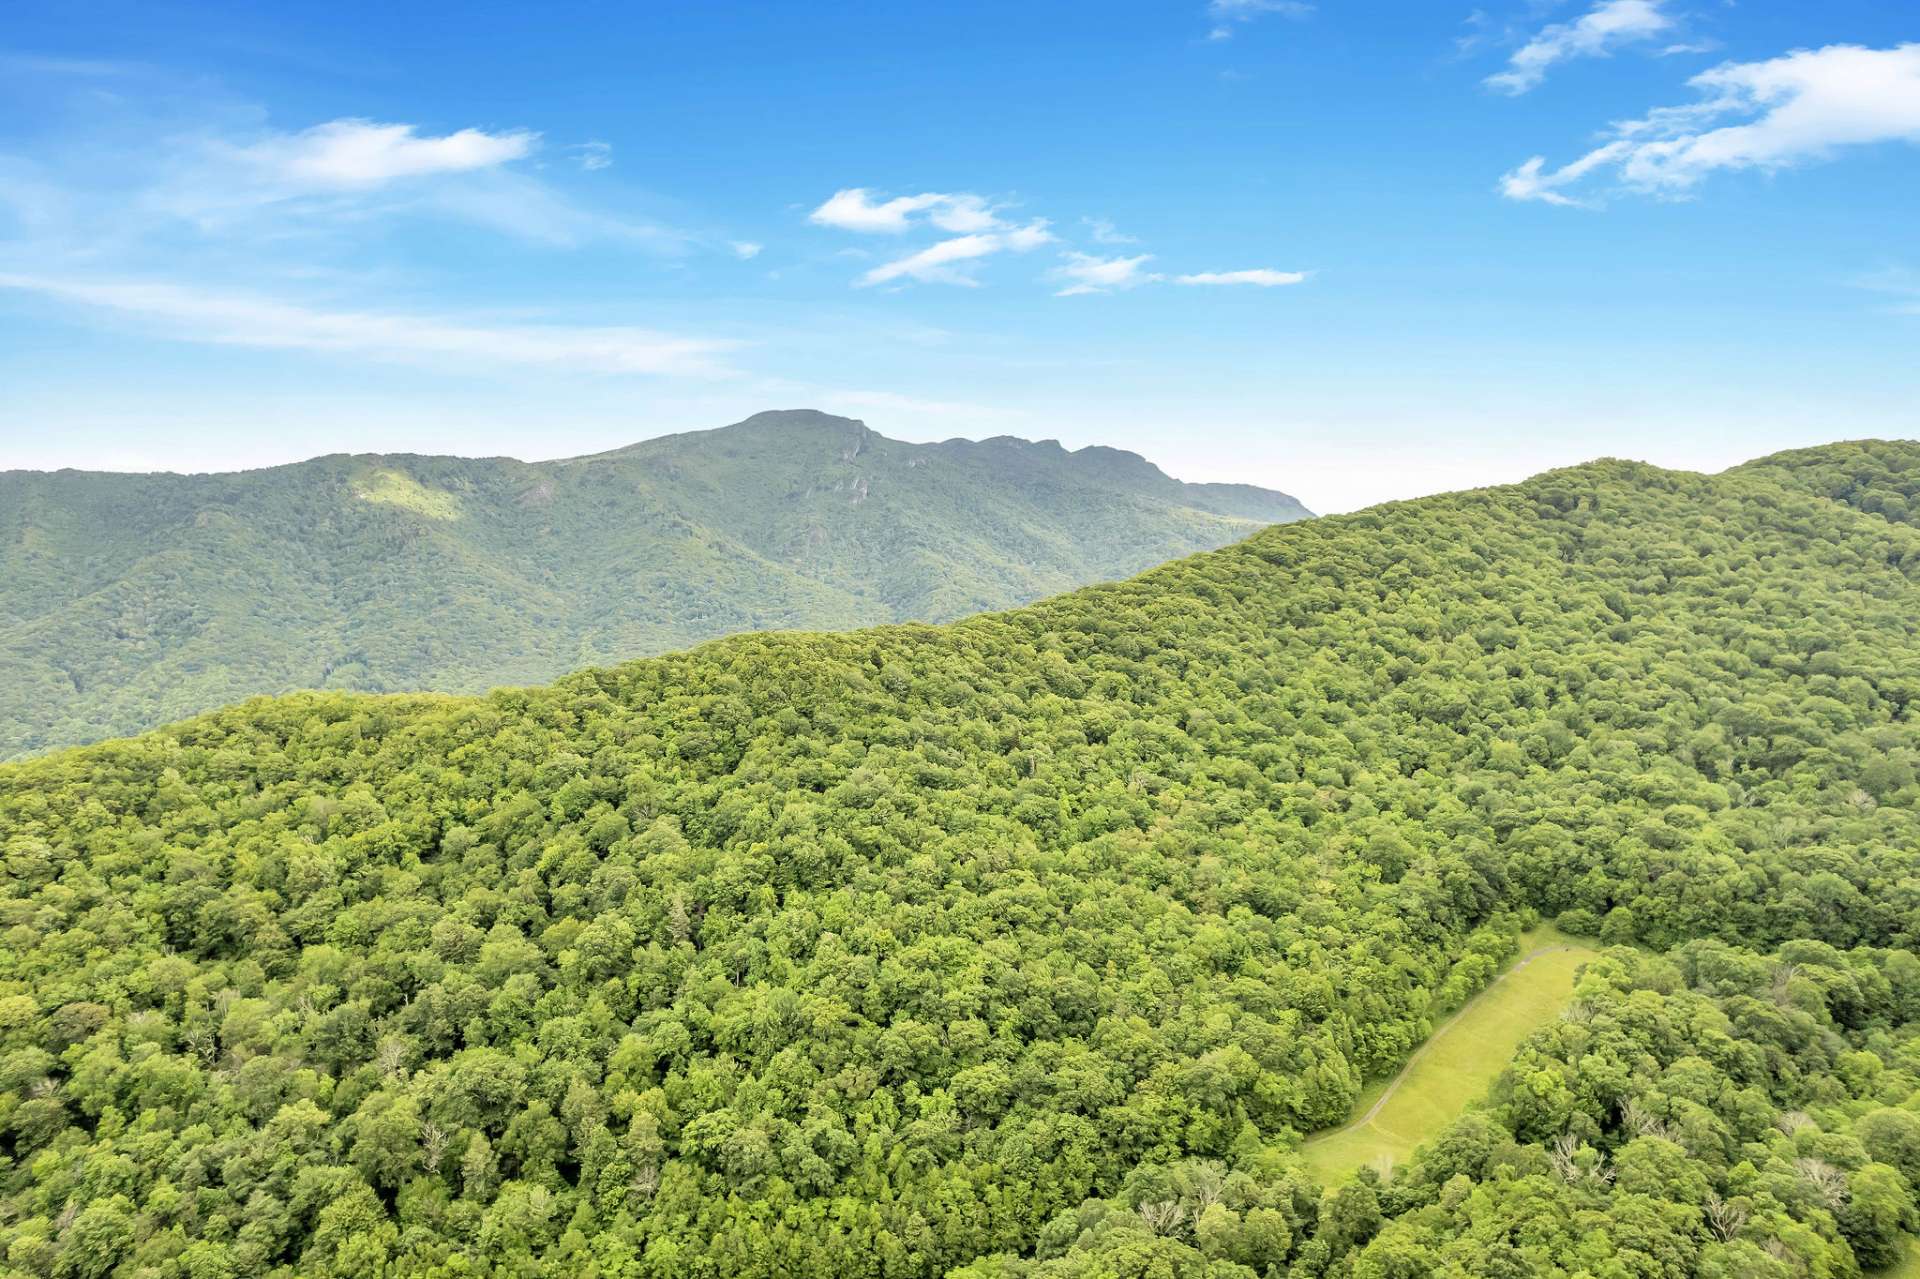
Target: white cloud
{"points": [[982, 231], [1797, 108], [1261, 277], [857, 209], [1602, 29], [1103, 231], [978, 230], [338, 176], [361, 153], [936, 263], [1531, 182], [946, 262], [963, 213], [854, 209], [1086, 273], [1031, 236], [745, 249], [238, 320], [1226, 14]]}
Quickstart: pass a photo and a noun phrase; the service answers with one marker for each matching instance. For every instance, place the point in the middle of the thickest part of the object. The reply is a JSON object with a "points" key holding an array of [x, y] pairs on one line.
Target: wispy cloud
{"points": [[1900, 283], [1229, 14], [1786, 111], [857, 209], [1532, 181], [230, 319], [528, 208], [343, 175], [937, 264], [745, 249], [1598, 32], [984, 231], [362, 153], [39, 64], [1259, 277], [594, 156], [978, 231], [951, 261], [1087, 273]]}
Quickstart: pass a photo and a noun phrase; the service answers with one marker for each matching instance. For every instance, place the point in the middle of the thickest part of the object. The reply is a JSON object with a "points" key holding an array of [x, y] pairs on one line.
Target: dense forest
{"points": [[1029, 946], [130, 600]]}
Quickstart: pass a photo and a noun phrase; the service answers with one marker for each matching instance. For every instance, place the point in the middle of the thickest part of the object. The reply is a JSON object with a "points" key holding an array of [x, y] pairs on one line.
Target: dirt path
{"points": [[1445, 1026]]}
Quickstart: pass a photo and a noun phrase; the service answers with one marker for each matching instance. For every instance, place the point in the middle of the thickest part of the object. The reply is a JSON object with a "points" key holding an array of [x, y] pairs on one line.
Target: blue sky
{"points": [[1308, 246]]}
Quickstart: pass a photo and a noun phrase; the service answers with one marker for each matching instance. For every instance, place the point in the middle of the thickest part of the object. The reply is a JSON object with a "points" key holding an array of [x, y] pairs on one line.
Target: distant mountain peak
{"points": [[798, 417], [126, 600]]}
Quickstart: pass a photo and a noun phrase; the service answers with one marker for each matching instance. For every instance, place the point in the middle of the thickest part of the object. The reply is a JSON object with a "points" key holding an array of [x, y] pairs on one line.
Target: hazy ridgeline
{"points": [[130, 600]]}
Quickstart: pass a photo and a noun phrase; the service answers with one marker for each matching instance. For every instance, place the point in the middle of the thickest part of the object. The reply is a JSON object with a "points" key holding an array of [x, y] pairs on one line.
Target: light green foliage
{"points": [[130, 600], [1456, 1064], [1026, 945], [395, 488], [1872, 475]]}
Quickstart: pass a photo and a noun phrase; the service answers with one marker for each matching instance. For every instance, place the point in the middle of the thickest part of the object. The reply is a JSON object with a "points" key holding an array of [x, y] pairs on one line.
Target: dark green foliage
{"points": [[1023, 945], [129, 600]]}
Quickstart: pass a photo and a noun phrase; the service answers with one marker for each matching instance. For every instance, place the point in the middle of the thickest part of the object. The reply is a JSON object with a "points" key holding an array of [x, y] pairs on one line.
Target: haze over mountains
{"points": [[129, 600]]}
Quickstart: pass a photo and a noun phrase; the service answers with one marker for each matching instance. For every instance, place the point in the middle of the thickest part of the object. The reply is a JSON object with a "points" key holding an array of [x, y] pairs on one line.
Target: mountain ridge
{"points": [[126, 600], [1777, 468]]}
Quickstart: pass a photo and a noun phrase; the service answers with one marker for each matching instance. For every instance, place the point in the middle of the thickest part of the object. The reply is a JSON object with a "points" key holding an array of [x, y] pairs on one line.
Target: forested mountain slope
{"points": [[129, 600], [1881, 476], [1026, 945]]}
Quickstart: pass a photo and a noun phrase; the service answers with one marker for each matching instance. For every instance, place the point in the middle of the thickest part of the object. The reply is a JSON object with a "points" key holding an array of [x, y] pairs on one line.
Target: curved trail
{"points": [[1456, 1063], [1434, 1038]]}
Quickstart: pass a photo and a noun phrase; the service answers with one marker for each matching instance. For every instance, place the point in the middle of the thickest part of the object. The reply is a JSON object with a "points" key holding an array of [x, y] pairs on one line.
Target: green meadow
{"points": [[1908, 1267], [1457, 1062]]}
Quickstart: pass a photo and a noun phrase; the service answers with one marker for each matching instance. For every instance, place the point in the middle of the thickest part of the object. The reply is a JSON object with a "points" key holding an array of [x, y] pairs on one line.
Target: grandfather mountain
{"points": [[130, 600]]}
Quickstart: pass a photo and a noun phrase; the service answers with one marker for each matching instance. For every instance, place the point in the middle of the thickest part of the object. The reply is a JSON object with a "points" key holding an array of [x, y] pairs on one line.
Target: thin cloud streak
{"points": [[362, 153], [1083, 273], [947, 262], [239, 320], [1229, 14], [1599, 31], [1259, 277]]}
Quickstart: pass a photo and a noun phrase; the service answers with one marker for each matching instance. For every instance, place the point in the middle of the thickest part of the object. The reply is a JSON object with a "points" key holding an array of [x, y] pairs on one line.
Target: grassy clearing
{"points": [[1457, 1063], [1908, 1267], [392, 488]]}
